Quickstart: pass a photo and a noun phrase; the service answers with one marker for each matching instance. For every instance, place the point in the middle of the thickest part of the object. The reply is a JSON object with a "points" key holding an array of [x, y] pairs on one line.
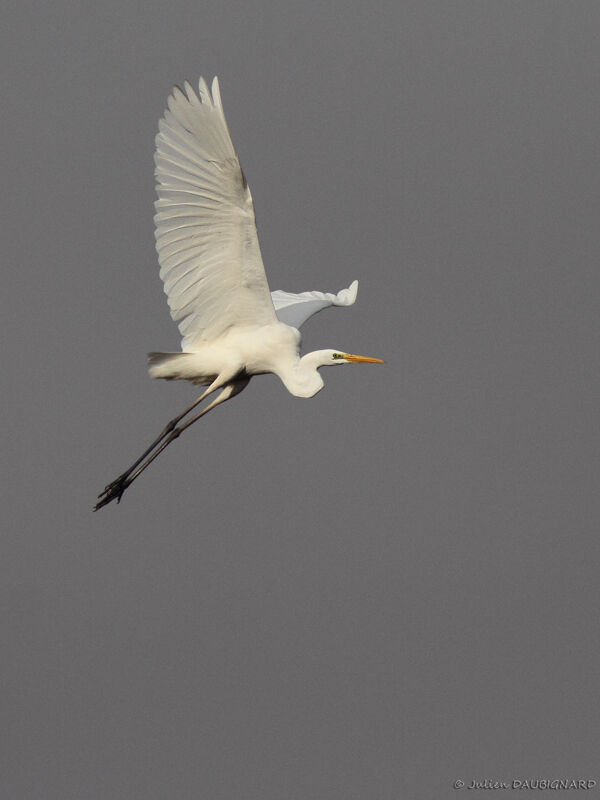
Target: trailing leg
{"points": [[115, 490]]}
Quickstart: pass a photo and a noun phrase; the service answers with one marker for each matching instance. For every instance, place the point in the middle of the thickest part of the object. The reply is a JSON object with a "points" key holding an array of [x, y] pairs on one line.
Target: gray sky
{"points": [[371, 594]]}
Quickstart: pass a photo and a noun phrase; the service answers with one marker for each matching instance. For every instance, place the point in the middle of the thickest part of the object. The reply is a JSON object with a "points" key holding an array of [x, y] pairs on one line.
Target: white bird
{"points": [[232, 326]]}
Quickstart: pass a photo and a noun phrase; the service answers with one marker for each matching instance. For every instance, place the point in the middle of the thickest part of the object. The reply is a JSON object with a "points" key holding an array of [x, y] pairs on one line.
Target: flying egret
{"points": [[232, 326]]}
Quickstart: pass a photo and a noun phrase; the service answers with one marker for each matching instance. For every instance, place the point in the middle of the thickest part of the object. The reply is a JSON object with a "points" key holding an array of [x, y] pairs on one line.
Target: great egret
{"points": [[214, 278]]}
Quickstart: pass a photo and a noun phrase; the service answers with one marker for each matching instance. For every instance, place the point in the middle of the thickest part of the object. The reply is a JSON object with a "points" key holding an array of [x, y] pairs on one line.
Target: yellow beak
{"points": [[362, 359]]}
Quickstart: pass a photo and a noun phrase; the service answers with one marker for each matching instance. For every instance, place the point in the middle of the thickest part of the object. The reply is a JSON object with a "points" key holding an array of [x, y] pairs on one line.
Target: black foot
{"points": [[114, 491]]}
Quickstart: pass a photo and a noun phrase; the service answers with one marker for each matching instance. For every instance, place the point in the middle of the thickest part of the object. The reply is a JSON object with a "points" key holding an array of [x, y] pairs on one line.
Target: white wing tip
{"points": [[347, 297], [200, 96]]}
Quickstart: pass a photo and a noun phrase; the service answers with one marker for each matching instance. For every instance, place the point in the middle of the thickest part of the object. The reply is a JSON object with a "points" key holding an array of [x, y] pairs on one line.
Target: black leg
{"points": [[115, 489], [166, 431]]}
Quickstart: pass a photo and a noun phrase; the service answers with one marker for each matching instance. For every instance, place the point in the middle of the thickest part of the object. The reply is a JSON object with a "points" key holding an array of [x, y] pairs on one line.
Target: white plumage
{"points": [[205, 229], [295, 309], [232, 326]]}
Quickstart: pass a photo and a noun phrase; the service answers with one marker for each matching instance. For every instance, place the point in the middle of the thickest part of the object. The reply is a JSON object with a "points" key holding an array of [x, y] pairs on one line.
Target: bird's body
{"points": [[254, 348], [249, 350], [232, 326]]}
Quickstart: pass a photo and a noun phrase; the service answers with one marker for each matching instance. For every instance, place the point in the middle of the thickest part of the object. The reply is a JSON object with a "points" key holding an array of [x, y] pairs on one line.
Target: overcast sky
{"points": [[367, 595]]}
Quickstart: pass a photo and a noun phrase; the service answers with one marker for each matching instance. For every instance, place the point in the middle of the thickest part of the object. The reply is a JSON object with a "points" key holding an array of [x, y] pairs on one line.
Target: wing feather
{"points": [[206, 236], [295, 309]]}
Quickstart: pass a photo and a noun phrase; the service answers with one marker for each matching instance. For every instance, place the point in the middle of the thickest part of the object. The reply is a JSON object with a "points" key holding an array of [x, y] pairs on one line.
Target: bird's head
{"points": [[331, 357], [304, 380]]}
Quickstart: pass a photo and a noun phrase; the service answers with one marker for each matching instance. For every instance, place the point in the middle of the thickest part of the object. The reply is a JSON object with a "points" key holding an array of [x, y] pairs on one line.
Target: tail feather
{"points": [[157, 359], [177, 366]]}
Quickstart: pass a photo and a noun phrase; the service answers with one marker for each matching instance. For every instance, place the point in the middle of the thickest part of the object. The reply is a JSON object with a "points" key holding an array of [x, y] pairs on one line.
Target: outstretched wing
{"points": [[295, 309], [205, 228]]}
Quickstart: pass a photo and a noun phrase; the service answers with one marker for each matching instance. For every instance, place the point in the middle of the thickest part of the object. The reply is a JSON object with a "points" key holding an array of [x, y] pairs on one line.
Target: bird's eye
{"points": [[337, 355]]}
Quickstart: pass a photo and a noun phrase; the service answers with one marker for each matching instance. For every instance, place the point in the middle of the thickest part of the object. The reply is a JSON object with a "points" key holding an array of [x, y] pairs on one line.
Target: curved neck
{"points": [[303, 379]]}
